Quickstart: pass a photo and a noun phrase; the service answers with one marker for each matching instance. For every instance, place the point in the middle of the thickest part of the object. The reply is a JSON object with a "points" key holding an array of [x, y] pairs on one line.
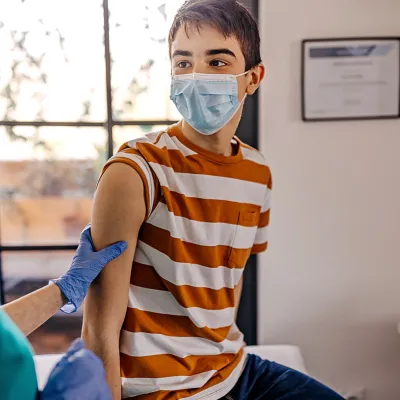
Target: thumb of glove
{"points": [[112, 252], [77, 345]]}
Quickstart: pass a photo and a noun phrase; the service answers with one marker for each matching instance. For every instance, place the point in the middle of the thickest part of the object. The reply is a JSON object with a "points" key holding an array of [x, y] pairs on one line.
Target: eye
{"points": [[183, 64], [218, 63]]}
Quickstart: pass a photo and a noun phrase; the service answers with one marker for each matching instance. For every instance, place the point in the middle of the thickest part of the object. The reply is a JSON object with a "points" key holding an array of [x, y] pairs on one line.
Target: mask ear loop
{"points": [[242, 101], [245, 95], [244, 73]]}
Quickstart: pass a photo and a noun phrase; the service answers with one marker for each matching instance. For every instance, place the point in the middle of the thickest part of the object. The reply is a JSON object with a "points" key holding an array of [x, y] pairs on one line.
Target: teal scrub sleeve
{"points": [[17, 367]]}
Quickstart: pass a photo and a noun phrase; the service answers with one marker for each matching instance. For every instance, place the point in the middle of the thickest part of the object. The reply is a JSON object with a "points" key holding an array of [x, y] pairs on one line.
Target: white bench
{"points": [[289, 356]]}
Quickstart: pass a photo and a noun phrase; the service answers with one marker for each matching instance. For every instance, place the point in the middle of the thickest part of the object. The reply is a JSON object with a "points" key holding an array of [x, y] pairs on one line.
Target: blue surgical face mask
{"points": [[207, 102]]}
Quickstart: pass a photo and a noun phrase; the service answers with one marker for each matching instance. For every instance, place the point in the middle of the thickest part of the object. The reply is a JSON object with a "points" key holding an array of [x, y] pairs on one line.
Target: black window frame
{"points": [[108, 125], [248, 131]]}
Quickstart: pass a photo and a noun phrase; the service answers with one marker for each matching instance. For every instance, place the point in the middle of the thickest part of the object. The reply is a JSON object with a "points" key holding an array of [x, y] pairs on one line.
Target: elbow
{"points": [[92, 341], [99, 339], [87, 334]]}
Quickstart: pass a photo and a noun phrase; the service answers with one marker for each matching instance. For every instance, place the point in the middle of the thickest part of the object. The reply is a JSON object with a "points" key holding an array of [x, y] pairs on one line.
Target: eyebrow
{"points": [[212, 52], [183, 53]]}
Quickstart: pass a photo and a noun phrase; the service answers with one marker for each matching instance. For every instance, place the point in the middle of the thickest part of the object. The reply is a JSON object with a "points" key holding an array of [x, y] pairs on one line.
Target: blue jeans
{"points": [[267, 380]]}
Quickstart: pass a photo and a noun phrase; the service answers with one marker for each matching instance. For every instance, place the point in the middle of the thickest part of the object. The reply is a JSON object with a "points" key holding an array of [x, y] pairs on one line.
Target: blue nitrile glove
{"points": [[86, 265], [79, 375]]}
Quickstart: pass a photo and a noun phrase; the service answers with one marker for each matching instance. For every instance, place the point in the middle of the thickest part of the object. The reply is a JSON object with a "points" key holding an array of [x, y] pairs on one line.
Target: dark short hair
{"points": [[229, 17]]}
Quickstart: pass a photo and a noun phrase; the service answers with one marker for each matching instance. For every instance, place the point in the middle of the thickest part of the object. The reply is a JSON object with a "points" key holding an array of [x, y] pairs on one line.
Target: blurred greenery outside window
{"points": [[54, 136]]}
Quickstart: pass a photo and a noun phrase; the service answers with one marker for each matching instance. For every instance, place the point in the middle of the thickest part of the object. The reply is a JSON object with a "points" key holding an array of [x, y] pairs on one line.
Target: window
{"points": [[77, 79]]}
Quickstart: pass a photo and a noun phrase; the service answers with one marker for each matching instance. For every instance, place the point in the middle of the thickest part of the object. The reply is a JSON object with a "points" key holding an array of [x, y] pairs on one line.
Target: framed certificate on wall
{"points": [[350, 78]]}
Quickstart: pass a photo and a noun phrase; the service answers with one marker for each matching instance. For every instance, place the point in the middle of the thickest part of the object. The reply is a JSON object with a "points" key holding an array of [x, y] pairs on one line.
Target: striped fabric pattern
{"points": [[206, 214]]}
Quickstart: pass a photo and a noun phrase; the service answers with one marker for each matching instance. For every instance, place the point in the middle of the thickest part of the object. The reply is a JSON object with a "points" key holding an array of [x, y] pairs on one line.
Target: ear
{"points": [[255, 77]]}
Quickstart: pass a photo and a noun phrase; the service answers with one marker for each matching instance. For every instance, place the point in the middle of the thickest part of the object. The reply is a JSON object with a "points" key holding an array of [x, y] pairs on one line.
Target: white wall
{"points": [[331, 279]]}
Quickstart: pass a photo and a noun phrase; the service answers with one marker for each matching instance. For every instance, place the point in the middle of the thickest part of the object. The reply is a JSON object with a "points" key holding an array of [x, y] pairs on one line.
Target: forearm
{"points": [[107, 349], [113, 375], [101, 329], [34, 309], [103, 318]]}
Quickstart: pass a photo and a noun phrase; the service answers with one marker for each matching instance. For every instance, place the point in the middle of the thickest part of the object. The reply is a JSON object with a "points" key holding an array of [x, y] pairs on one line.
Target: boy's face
{"points": [[207, 51]]}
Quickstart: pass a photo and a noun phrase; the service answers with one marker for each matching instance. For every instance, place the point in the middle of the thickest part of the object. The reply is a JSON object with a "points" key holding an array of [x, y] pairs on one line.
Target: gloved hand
{"points": [[79, 375], [86, 265]]}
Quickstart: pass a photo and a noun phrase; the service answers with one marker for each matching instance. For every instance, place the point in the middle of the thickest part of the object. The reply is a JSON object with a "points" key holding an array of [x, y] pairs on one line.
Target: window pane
{"points": [[123, 134], [52, 60], [140, 61], [47, 180], [25, 272]]}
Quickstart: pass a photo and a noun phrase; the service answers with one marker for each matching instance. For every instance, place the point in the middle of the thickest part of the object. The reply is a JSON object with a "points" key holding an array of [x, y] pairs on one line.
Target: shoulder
{"points": [[253, 155], [152, 148], [120, 183], [133, 162], [150, 140]]}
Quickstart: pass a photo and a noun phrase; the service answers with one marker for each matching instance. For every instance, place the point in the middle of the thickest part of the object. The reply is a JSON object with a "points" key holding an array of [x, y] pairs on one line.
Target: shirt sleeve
{"points": [[134, 159], [261, 239]]}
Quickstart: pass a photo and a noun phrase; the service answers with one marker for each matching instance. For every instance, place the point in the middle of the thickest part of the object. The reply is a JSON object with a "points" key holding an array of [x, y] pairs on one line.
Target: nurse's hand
{"points": [[86, 266], [78, 375]]}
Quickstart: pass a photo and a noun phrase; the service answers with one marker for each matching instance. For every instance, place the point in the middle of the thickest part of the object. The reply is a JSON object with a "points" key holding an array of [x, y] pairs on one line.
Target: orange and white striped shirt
{"points": [[206, 213]]}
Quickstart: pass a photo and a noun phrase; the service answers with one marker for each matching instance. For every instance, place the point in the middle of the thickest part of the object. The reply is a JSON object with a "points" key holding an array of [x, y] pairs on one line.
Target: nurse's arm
{"points": [[33, 310], [118, 212]]}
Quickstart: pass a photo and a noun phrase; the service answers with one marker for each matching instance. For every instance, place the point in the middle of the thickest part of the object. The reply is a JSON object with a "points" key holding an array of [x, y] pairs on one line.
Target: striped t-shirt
{"points": [[206, 213]]}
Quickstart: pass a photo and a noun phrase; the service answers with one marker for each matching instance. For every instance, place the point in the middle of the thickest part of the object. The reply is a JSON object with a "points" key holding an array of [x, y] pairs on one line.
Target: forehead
{"points": [[200, 39]]}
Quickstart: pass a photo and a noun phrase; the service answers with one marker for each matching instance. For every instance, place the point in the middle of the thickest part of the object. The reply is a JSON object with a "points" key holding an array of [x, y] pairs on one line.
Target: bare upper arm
{"points": [[118, 212]]}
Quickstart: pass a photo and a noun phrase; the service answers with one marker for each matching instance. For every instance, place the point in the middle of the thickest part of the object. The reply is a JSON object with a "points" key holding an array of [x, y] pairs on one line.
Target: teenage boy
{"points": [[193, 203]]}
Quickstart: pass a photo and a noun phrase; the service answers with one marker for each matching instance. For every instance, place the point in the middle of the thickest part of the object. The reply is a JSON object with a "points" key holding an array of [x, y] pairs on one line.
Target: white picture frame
{"points": [[350, 78]]}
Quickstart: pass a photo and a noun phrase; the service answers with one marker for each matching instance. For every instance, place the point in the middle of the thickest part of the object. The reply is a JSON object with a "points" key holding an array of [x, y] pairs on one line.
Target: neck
{"points": [[219, 142]]}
